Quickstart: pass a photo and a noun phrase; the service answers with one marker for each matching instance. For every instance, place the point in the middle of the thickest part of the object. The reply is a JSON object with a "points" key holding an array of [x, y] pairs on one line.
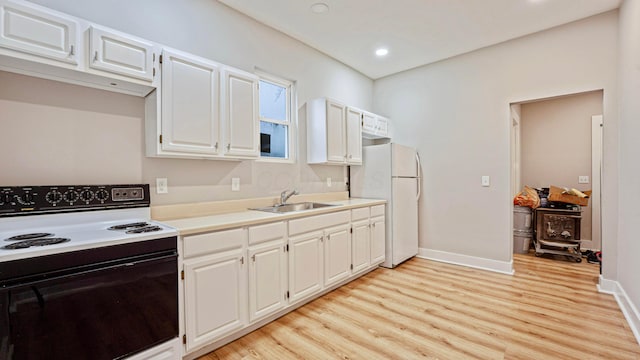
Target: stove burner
{"points": [[28, 236], [129, 226], [35, 242], [146, 229]]}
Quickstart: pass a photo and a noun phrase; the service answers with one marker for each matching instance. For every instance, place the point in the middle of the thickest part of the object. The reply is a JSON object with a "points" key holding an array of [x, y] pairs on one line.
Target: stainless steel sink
{"points": [[293, 207]]}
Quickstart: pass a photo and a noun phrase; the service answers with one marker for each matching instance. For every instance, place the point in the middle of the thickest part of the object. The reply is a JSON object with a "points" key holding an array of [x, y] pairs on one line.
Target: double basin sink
{"points": [[286, 208]]}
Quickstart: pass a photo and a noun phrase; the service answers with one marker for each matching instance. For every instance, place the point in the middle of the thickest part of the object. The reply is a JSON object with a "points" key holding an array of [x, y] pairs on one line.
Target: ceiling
{"points": [[416, 32]]}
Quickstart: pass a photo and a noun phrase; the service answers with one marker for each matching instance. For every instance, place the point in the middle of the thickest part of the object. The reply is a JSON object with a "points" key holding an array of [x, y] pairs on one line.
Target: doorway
{"points": [[558, 141]]}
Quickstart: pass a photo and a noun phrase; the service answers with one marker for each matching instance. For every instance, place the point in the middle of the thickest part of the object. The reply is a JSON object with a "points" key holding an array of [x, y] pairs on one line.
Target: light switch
{"points": [[329, 182], [583, 179], [486, 180], [162, 186], [235, 184]]}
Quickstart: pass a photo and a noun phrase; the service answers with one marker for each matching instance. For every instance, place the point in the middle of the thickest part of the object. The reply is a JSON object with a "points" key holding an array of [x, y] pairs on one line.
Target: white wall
{"points": [[206, 28], [629, 211], [456, 112]]}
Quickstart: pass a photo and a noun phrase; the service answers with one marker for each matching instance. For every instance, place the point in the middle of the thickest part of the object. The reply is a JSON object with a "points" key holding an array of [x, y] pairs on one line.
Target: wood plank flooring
{"points": [[550, 309]]}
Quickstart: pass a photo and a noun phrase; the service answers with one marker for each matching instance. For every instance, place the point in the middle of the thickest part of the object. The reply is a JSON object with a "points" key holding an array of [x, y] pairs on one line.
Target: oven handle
{"points": [[122, 263]]}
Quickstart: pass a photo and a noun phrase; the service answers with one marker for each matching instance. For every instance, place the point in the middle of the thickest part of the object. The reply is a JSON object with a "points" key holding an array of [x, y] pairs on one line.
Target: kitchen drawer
{"points": [[360, 214], [202, 244], [262, 233], [318, 222], [377, 210]]}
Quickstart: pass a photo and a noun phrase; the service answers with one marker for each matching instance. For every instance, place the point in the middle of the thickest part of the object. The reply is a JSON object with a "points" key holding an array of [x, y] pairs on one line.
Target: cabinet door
{"points": [[360, 240], [190, 111], [337, 254], [378, 240], [215, 296], [336, 132], [305, 265], [354, 136], [118, 54], [267, 279], [47, 34], [369, 122], [241, 114], [382, 126]]}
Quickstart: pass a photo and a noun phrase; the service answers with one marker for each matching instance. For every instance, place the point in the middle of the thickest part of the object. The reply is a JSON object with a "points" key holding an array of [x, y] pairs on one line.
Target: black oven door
{"points": [[109, 312]]}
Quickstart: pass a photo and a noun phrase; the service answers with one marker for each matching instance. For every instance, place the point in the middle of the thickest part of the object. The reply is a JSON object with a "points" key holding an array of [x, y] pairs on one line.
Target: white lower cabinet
{"points": [[305, 265], [236, 278], [337, 254], [215, 286], [267, 270], [360, 245], [378, 234]]}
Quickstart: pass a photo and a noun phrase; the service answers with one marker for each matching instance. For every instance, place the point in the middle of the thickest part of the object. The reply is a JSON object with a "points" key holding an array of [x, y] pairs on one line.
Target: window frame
{"points": [[292, 115]]}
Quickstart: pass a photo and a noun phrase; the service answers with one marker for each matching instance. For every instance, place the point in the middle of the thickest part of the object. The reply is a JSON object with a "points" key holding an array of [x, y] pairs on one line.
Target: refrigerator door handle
{"points": [[419, 164]]}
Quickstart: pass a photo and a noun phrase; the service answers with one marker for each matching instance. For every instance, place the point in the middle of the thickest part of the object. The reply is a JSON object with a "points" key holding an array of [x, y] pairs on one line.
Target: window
{"points": [[275, 118]]}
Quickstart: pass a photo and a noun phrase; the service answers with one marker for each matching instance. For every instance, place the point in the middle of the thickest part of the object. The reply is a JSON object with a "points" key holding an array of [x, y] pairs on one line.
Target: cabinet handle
{"points": [[216, 146], [350, 156], [95, 57], [72, 51], [374, 224], [228, 146], [253, 257], [242, 260]]}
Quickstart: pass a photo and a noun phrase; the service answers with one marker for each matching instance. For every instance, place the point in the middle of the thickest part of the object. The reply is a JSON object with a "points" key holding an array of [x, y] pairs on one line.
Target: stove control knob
{"points": [[102, 195], [5, 199], [86, 195], [71, 196], [26, 199], [53, 197]]}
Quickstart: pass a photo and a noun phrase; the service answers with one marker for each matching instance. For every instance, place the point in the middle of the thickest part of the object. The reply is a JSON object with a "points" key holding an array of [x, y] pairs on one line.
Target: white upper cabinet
{"points": [[333, 133], [42, 33], [120, 54], [336, 136], [354, 136], [374, 126], [190, 109], [242, 124]]}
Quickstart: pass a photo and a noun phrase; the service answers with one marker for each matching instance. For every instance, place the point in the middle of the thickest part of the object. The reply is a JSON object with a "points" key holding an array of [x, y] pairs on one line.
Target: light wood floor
{"points": [[550, 309]]}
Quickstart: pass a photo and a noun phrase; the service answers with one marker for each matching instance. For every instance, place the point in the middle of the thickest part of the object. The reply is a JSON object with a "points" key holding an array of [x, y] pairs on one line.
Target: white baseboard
{"points": [[628, 308], [504, 267]]}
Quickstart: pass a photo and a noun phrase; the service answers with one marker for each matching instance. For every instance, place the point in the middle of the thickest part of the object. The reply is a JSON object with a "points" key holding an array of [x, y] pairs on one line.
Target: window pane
{"points": [[273, 101], [273, 140]]}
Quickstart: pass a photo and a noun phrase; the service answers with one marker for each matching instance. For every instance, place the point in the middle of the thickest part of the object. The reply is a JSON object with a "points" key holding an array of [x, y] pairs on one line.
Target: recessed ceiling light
{"points": [[319, 8], [382, 51]]}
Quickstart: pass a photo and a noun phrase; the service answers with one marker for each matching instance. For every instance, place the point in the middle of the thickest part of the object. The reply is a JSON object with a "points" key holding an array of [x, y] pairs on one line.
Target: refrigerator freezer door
{"points": [[405, 219], [403, 161]]}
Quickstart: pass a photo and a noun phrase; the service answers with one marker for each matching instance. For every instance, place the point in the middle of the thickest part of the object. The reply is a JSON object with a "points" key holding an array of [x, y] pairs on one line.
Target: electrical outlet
{"points": [[583, 179], [329, 182], [486, 181], [162, 186], [235, 184]]}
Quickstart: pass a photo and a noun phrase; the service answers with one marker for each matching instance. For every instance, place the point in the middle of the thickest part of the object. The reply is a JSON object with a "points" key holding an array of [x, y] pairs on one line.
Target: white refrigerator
{"points": [[392, 172]]}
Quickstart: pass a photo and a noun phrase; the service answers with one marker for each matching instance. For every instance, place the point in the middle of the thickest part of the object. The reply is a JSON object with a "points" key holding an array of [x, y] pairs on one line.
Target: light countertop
{"points": [[200, 224]]}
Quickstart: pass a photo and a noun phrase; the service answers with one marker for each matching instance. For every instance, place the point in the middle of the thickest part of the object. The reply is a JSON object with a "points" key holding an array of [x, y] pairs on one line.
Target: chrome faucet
{"points": [[284, 196]]}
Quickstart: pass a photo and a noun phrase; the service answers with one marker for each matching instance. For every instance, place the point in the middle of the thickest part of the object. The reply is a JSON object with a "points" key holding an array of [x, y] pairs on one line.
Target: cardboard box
{"points": [[555, 194]]}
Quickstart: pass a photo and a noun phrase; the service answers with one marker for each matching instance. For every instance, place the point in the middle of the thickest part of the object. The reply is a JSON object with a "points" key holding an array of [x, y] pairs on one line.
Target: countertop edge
{"points": [[217, 222]]}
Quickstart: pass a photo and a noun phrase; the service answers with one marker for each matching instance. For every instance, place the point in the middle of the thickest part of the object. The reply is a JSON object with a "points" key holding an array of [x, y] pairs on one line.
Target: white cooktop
{"points": [[84, 229]]}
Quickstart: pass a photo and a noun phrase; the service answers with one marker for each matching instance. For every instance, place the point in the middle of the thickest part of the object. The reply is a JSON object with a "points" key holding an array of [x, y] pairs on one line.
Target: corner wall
{"points": [[456, 112]]}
